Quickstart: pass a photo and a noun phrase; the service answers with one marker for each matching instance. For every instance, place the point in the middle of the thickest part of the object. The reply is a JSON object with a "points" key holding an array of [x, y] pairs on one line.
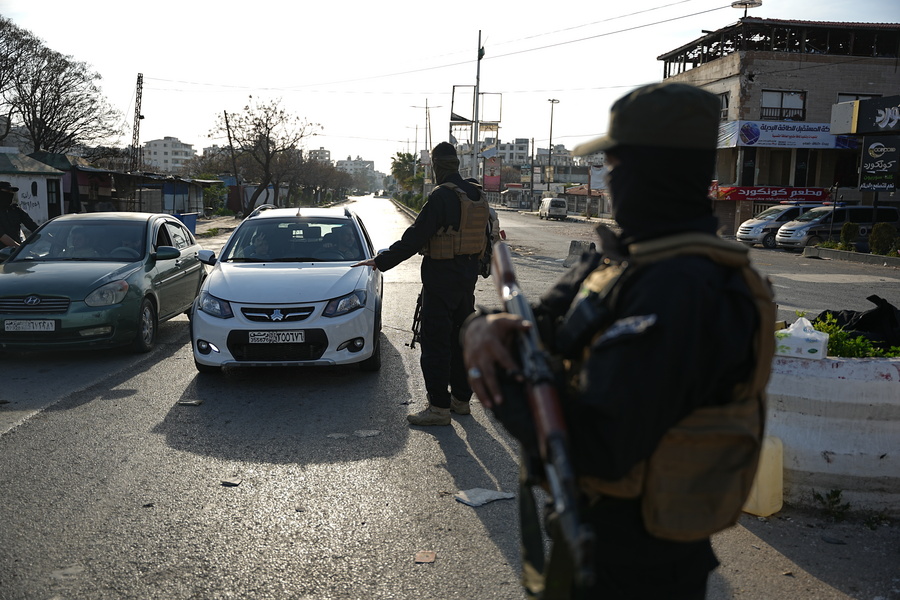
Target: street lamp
{"points": [[549, 175]]}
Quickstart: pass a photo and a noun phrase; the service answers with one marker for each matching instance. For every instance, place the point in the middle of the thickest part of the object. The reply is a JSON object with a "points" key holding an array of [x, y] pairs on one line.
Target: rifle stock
{"points": [[545, 408], [417, 322]]}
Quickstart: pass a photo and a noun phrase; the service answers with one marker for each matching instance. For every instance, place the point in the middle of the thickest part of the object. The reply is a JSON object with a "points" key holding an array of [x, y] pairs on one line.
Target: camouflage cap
{"points": [[668, 115]]}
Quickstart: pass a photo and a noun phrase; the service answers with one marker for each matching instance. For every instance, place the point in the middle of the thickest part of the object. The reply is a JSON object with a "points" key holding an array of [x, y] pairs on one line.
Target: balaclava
{"points": [[444, 161], [657, 191]]}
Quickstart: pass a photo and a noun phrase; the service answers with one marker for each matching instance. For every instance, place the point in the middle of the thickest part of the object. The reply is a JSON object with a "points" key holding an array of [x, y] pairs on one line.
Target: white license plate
{"points": [[277, 337], [29, 325]]}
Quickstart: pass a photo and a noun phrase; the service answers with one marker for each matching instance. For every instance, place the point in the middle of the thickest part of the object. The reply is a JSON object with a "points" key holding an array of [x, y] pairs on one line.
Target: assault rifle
{"points": [[544, 405], [417, 322]]}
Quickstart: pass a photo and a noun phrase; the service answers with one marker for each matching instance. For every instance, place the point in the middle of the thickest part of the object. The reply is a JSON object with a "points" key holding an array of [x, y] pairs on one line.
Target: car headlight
{"points": [[345, 304], [214, 306], [106, 295], [757, 230]]}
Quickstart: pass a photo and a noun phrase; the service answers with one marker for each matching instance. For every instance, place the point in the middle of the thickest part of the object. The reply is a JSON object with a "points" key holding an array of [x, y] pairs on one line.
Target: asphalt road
{"points": [[135, 477]]}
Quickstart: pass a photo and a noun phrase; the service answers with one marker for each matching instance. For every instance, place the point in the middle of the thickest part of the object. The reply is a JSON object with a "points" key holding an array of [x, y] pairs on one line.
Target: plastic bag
{"points": [[801, 340]]}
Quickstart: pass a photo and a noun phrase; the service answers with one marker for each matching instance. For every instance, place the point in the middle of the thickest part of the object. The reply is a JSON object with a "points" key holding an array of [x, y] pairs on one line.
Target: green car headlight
{"points": [[106, 295], [214, 306], [345, 304]]}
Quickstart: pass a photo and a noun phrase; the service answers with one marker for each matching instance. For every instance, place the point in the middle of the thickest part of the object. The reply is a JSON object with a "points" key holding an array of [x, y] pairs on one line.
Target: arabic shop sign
{"points": [[878, 165], [781, 134], [774, 194], [879, 115]]}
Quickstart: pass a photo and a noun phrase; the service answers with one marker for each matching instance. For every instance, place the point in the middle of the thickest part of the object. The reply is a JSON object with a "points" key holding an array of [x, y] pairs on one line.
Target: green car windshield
{"points": [[94, 241]]}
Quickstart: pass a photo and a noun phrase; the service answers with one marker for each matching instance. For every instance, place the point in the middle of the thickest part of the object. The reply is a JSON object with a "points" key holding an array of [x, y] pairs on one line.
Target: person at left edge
{"points": [[450, 231], [12, 217]]}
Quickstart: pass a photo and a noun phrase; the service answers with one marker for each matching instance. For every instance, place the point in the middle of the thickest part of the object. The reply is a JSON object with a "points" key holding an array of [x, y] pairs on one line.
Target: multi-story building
{"points": [[320, 155], [167, 155], [778, 81]]}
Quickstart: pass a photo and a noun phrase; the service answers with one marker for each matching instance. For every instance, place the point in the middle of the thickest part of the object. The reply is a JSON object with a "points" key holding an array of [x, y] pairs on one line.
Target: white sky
{"points": [[365, 69]]}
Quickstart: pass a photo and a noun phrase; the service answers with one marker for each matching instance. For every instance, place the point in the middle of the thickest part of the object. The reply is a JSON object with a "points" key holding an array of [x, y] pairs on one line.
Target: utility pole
{"points": [[136, 129], [475, 123], [549, 176], [237, 178]]}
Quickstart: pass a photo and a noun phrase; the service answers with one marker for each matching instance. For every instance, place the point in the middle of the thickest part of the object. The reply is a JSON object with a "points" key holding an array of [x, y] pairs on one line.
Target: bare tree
{"points": [[15, 45], [59, 103], [262, 132]]}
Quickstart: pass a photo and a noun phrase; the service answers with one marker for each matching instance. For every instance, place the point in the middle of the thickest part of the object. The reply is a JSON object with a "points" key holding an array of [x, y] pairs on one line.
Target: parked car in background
{"points": [[284, 292], [97, 279], [553, 208], [825, 223], [762, 228]]}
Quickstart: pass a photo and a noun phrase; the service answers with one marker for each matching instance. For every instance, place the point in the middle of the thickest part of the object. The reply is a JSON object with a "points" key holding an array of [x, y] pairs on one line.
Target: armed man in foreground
{"points": [[660, 346], [451, 233]]}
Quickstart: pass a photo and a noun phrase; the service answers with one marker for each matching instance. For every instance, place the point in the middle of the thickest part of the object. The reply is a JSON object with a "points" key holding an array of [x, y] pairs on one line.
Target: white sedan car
{"points": [[283, 293]]}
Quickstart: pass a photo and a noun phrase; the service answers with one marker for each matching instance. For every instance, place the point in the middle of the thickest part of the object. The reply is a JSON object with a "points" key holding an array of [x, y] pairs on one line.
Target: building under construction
{"points": [[777, 81]]}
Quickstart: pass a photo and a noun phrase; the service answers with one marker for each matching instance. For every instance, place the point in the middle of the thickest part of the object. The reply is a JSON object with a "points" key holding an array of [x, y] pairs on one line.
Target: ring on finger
{"points": [[474, 373]]}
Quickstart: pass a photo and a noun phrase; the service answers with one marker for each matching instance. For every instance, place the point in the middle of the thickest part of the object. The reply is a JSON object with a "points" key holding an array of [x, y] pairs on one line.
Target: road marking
{"points": [[813, 278]]}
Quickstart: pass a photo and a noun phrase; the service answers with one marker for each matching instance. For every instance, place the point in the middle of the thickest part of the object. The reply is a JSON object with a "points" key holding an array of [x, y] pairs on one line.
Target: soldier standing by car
{"points": [[12, 216], [450, 231]]}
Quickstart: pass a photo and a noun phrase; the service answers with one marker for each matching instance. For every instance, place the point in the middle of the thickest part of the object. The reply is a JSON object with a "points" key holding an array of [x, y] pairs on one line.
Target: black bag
{"points": [[879, 325]]}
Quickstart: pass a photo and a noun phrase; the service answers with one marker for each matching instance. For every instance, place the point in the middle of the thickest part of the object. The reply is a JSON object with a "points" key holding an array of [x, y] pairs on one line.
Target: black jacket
{"points": [[440, 211], [637, 382], [12, 219]]}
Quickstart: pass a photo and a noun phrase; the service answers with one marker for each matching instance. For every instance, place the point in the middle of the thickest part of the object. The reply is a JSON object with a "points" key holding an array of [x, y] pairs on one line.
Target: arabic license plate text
{"points": [[29, 325], [276, 337]]}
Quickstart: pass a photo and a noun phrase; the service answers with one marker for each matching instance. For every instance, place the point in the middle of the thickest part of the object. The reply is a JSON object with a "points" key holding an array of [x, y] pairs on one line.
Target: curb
{"points": [[860, 257]]}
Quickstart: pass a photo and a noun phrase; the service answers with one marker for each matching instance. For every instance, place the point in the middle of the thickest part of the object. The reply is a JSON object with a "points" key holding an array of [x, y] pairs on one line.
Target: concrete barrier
{"points": [[839, 421], [576, 249]]}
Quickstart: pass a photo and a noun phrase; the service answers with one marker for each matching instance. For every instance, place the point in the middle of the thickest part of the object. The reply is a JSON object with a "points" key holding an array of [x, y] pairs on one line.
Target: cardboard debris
{"points": [[481, 496], [425, 556], [233, 482]]}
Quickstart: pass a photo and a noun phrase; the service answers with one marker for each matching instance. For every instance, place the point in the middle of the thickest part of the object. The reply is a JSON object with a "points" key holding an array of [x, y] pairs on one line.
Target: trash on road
{"points": [[194, 402], [366, 432], [233, 482], [481, 496], [425, 556]]}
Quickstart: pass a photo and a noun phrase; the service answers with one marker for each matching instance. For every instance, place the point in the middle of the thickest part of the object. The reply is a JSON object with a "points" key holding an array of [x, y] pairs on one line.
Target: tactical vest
{"points": [[470, 238], [699, 476]]}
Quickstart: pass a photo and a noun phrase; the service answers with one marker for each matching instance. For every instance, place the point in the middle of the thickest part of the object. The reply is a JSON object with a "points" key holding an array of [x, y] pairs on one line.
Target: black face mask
{"points": [[657, 191], [6, 200]]}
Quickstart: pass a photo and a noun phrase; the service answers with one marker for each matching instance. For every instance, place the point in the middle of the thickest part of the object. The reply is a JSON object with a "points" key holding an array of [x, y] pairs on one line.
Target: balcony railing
{"points": [[782, 114]]}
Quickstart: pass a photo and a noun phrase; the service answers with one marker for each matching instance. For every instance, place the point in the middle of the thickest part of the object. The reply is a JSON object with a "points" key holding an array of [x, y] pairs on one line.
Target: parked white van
{"points": [[553, 208], [825, 223], [762, 228]]}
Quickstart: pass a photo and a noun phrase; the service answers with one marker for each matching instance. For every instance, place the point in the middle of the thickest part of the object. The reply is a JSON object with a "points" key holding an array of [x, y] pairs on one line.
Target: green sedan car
{"points": [[97, 280]]}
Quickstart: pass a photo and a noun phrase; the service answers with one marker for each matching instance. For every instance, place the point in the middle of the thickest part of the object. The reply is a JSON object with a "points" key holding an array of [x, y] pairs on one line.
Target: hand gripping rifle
{"points": [[544, 405], [417, 322]]}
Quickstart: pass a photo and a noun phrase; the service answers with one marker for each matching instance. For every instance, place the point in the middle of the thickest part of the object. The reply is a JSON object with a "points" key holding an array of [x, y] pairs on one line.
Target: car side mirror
{"points": [[166, 253], [207, 257]]}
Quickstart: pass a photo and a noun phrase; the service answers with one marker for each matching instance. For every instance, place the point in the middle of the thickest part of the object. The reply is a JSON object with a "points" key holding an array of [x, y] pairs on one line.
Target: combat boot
{"points": [[460, 407], [432, 415]]}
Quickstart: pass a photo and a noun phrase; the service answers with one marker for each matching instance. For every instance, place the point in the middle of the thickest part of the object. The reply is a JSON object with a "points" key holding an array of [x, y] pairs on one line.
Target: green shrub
{"points": [[843, 344], [882, 238], [849, 234]]}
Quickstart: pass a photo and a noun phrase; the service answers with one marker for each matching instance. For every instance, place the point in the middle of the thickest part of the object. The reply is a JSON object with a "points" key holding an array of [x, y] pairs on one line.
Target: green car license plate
{"points": [[29, 325], [277, 337]]}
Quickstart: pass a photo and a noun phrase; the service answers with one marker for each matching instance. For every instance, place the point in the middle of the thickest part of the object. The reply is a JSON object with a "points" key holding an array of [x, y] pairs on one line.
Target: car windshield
{"points": [[71, 240], [769, 213], [814, 214], [295, 239]]}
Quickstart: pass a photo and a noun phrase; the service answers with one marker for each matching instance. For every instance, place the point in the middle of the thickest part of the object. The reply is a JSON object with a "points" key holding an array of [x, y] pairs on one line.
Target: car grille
{"points": [[744, 230], [276, 315], [44, 306], [312, 349]]}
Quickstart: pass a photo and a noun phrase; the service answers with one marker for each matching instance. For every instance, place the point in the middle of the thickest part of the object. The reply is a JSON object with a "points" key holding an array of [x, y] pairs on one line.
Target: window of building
{"points": [[852, 97], [723, 102], [783, 106]]}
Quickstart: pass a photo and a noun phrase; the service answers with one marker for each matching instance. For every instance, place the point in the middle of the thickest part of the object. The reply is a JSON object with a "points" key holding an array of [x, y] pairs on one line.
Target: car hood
{"points": [[73, 279], [279, 283]]}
